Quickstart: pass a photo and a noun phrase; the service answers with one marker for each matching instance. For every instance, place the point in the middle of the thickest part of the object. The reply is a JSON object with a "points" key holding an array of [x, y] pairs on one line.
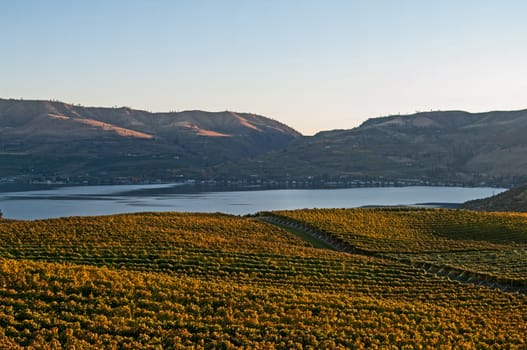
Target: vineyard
{"points": [[164, 281], [489, 244]]}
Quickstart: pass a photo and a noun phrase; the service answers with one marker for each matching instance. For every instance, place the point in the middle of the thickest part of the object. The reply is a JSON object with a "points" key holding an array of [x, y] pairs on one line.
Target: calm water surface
{"points": [[104, 200]]}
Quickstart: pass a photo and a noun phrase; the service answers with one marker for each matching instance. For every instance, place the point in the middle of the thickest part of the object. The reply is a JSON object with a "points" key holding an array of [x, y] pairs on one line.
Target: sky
{"points": [[312, 64]]}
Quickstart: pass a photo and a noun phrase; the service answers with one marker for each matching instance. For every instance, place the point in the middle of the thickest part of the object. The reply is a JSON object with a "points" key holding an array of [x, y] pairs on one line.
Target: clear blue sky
{"points": [[315, 65]]}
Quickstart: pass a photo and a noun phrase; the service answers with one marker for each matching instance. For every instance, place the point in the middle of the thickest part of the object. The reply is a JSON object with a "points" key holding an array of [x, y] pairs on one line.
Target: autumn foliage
{"points": [[172, 280]]}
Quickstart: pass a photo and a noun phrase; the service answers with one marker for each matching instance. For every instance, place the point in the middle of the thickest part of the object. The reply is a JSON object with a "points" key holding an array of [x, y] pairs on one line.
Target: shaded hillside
{"points": [[43, 137], [511, 200], [450, 147]]}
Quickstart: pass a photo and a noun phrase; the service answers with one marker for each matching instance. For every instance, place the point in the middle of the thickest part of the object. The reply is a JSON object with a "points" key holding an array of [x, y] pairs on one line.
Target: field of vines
{"points": [[207, 281], [488, 243]]}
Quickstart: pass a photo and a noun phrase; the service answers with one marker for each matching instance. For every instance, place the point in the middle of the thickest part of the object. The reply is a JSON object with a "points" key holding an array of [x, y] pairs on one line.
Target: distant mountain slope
{"points": [[43, 137], [511, 200], [453, 146]]}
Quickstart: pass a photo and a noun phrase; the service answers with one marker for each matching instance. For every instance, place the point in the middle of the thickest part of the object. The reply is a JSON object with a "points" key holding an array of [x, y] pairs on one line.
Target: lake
{"points": [[105, 200]]}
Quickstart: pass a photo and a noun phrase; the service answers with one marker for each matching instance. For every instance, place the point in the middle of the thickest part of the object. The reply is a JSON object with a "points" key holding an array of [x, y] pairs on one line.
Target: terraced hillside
{"points": [[490, 246], [216, 281]]}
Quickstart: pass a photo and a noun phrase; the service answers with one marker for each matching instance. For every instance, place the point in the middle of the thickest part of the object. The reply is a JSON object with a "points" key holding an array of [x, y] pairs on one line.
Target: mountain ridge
{"points": [[142, 119], [452, 147], [76, 140], [42, 139]]}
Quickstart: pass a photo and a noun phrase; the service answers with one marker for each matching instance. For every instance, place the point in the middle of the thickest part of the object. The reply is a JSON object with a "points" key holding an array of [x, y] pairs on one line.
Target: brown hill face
{"points": [[511, 200], [53, 138], [57, 138], [449, 147]]}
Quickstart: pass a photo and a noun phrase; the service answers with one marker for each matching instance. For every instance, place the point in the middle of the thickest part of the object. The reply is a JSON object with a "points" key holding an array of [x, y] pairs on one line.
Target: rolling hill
{"points": [[435, 147], [214, 281], [54, 138], [512, 200]]}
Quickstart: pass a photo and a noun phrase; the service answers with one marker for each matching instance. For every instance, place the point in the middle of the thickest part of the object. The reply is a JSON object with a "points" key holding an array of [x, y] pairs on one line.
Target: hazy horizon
{"points": [[313, 65]]}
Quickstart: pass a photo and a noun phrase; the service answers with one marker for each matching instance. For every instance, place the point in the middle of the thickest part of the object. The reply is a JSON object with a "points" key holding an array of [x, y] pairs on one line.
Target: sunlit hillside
{"points": [[493, 246], [215, 281]]}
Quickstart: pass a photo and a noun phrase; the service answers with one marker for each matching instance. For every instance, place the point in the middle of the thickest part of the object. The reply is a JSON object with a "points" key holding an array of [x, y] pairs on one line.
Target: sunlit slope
{"points": [[212, 280], [48, 138], [494, 243]]}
